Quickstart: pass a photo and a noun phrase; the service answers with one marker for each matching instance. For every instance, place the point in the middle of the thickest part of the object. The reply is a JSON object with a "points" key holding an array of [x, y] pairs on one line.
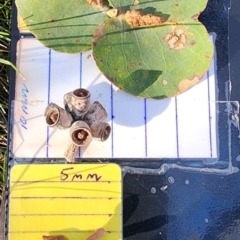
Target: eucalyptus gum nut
{"points": [[100, 130], [49, 107], [81, 99], [96, 112], [80, 133], [77, 102], [57, 117]]}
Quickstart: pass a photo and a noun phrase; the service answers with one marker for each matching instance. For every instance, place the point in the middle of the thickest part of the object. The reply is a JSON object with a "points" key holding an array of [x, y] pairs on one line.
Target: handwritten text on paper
{"points": [[23, 119], [65, 175]]}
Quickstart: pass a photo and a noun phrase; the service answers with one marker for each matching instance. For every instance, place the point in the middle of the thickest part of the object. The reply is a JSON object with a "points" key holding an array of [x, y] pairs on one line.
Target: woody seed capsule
{"points": [[77, 102], [100, 130], [57, 117], [80, 133]]}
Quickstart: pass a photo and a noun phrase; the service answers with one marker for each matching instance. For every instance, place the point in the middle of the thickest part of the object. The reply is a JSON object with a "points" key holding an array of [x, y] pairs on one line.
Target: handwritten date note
{"points": [[73, 200]]}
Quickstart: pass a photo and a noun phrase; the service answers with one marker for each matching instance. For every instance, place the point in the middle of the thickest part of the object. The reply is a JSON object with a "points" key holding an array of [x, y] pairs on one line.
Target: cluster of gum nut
{"points": [[85, 120]]}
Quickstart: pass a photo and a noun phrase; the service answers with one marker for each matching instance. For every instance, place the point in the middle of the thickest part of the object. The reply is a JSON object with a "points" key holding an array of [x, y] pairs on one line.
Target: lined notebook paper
{"points": [[179, 127], [72, 200]]}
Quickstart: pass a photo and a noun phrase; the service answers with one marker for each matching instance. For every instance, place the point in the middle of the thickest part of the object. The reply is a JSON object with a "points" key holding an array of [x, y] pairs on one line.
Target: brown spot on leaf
{"points": [[133, 64], [140, 64], [98, 34], [111, 79], [136, 18], [207, 56], [77, 40], [195, 17], [193, 42], [176, 4], [176, 40], [52, 20], [185, 84], [120, 87]]}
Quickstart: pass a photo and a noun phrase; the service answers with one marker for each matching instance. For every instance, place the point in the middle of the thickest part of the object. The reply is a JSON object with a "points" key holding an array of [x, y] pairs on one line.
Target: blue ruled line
{"points": [[177, 140], [209, 114], [112, 117], [80, 78], [80, 70], [49, 90], [145, 122]]}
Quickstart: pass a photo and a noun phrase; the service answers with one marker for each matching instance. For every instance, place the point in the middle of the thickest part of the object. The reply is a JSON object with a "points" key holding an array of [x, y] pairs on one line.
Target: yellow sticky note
{"points": [[72, 200]]}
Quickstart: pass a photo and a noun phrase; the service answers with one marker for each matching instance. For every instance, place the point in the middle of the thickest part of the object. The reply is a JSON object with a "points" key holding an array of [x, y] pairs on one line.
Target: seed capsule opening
{"points": [[80, 133], [52, 117], [81, 93], [105, 133]]}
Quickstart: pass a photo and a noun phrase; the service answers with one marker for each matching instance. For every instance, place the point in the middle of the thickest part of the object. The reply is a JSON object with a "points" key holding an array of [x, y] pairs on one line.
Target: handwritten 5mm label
{"points": [[93, 176]]}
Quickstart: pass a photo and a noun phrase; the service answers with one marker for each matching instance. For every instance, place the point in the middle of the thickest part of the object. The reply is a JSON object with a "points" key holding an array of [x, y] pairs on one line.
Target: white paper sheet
{"points": [[179, 127]]}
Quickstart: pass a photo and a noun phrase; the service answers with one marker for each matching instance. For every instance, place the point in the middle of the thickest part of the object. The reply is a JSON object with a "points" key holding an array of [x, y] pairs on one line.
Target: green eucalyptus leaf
{"points": [[151, 48], [152, 62], [65, 26], [171, 10]]}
